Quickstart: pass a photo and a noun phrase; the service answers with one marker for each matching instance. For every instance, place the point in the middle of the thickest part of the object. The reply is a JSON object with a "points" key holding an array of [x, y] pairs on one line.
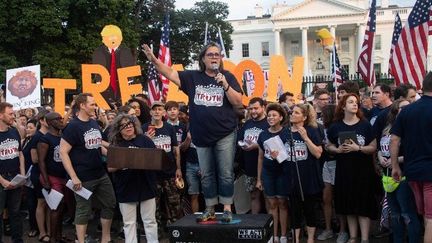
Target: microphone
{"points": [[215, 68]]}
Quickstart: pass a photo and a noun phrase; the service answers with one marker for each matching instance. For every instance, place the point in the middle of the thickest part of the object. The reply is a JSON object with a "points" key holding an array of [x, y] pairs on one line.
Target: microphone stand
{"points": [[294, 159]]}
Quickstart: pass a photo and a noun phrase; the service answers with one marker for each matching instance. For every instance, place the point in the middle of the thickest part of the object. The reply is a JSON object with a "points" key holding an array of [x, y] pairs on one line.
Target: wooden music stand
{"points": [[138, 158]]}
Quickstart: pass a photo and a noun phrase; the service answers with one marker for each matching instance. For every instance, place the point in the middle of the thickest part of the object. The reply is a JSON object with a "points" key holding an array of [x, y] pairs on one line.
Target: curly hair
{"points": [[115, 136], [279, 109]]}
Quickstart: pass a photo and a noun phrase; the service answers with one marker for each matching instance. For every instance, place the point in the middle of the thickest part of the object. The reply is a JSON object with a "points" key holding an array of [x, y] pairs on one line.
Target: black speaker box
{"points": [[245, 228]]}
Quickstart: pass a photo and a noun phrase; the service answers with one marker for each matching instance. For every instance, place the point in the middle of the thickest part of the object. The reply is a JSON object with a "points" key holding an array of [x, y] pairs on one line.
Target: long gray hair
{"points": [[115, 136]]}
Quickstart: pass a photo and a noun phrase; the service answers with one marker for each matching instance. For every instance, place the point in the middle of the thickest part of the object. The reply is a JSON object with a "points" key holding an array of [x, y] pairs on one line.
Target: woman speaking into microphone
{"points": [[213, 93]]}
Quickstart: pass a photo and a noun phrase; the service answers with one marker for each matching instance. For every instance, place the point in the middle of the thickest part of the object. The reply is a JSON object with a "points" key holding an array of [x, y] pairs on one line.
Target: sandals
{"points": [[32, 233], [45, 238]]}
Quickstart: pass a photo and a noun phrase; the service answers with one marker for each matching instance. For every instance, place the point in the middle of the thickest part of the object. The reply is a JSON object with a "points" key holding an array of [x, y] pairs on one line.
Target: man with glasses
{"points": [[213, 94], [321, 100]]}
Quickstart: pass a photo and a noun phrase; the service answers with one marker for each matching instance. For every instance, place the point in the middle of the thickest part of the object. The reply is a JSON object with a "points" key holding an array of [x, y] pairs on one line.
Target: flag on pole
{"points": [[165, 54], [336, 67], [396, 33], [153, 84], [408, 59], [206, 40], [365, 62], [220, 42]]}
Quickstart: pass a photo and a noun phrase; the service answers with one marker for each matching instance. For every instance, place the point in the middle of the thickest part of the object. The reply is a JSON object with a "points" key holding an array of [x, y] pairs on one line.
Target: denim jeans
{"points": [[12, 200], [403, 212], [217, 170]]}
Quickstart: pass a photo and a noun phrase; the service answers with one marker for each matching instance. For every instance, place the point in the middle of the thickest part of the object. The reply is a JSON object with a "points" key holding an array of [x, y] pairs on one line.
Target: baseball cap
{"points": [[157, 103]]}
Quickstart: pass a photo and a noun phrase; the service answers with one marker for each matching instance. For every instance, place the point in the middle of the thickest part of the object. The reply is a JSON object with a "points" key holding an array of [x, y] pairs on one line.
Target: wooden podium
{"points": [[139, 158]]}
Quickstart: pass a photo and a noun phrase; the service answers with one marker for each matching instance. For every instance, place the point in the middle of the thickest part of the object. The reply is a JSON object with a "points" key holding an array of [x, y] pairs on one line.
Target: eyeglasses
{"points": [[213, 55], [127, 124]]}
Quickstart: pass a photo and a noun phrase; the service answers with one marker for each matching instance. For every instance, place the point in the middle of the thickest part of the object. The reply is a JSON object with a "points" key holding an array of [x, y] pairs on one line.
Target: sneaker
{"points": [[382, 233], [206, 216], [325, 235], [283, 239], [343, 237], [227, 216], [274, 239]]}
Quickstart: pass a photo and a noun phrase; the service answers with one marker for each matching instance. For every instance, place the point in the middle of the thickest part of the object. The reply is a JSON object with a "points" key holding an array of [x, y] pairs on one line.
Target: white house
{"points": [[291, 31]]}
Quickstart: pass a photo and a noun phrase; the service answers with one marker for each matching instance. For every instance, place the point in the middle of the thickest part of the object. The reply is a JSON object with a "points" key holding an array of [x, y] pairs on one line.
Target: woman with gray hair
{"points": [[213, 94], [132, 186]]}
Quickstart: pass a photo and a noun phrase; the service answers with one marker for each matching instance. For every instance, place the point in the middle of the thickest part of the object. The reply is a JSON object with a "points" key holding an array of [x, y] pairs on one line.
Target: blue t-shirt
{"points": [[132, 185], [85, 138], [309, 168], [165, 138], [413, 125], [250, 132], [212, 116], [53, 162], [10, 147], [272, 166]]}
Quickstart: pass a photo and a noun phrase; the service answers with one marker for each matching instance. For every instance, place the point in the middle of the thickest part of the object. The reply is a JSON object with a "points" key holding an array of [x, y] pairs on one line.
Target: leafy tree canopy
{"points": [[60, 35]]}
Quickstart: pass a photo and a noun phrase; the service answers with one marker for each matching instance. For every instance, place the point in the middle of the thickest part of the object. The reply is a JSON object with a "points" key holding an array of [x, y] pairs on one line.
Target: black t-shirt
{"points": [[413, 125], [33, 145], [272, 166], [380, 123], [53, 161], [374, 112], [190, 154], [250, 132], [212, 116], [85, 138], [132, 185], [364, 135], [309, 168], [26, 148], [10, 147], [180, 129], [165, 138]]}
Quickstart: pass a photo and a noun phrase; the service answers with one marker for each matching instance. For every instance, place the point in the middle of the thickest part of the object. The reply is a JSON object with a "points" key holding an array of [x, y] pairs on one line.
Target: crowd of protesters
{"points": [[338, 147]]}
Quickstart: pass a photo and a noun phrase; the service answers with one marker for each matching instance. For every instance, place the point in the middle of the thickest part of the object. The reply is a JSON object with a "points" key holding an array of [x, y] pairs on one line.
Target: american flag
{"points": [[365, 63], [153, 84], [396, 33], [219, 39], [165, 54], [336, 67], [408, 59]]}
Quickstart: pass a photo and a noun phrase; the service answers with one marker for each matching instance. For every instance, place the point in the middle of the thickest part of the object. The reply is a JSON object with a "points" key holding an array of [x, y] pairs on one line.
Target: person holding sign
{"points": [[81, 155], [11, 165], [356, 182], [132, 186], [213, 94], [53, 175], [272, 175]]}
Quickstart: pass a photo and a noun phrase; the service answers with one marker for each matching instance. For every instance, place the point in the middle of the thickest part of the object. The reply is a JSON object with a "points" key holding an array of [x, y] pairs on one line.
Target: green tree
{"points": [[60, 35]]}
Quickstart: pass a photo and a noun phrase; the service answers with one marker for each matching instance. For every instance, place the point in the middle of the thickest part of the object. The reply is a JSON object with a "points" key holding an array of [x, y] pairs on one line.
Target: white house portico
{"points": [[291, 31]]}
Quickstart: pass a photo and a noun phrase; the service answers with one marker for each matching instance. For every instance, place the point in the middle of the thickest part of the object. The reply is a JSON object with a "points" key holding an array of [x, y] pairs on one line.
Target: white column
{"points": [[305, 50], [360, 37], [277, 41]]}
